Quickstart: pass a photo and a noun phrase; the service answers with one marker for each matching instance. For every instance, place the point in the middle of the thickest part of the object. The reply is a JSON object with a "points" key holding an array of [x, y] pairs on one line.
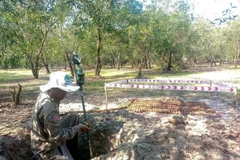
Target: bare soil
{"points": [[138, 134]]}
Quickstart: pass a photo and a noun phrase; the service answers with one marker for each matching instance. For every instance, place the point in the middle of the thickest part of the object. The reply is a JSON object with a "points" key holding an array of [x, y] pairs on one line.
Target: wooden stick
{"points": [[97, 110], [235, 98], [105, 88], [210, 92]]}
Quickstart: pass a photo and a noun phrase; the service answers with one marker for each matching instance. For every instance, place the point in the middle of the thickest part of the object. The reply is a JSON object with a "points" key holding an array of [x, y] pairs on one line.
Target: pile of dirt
{"points": [[127, 135]]}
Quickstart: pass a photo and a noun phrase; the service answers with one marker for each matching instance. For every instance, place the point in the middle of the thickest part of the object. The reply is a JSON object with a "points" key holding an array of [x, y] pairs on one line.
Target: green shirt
{"points": [[47, 135]]}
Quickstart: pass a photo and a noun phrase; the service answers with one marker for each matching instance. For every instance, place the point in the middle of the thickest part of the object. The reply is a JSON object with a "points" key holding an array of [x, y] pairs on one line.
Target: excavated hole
{"points": [[149, 128]]}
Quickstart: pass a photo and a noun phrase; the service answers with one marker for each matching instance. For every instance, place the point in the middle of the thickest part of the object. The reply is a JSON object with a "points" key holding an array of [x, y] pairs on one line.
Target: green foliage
{"points": [[36, 34]]}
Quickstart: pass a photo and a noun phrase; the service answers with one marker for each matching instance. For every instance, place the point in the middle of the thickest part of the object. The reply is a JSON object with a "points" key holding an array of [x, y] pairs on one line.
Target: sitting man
{"points": [[52, 137]]}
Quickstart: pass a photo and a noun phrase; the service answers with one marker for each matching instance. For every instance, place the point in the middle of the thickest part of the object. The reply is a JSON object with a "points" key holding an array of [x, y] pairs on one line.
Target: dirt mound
{"points": [[126, 135]]}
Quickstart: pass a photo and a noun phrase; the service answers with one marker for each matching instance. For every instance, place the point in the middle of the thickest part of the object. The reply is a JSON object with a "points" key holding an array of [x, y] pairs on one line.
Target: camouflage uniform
{"points": [[49, 133]]}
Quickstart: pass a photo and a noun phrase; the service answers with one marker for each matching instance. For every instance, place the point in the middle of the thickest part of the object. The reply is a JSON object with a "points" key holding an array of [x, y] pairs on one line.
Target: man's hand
{"points": [[84, 128]]}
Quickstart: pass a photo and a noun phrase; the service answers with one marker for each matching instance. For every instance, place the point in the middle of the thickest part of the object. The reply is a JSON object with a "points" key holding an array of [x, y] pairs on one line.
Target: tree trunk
{"points": [[238, 55], [169, 62], [114, 60], [34, 69], [194, 62], [35, 73], [211, 63], [98, 58], [119, 61], [235, 62], [140, 69], [47, 68], [68, 53], [35, 64], [149, 60], [144, 62], [16, 94], [45, 65], [68, 58], [148, 57], [112, 63], [221, 61]]}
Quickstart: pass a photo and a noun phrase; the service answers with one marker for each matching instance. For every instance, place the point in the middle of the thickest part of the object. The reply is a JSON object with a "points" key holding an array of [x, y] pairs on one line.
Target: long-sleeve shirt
{"points": [[47, 135]]}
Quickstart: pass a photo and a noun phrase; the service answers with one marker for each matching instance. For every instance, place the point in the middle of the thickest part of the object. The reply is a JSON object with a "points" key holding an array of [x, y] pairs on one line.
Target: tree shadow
{"points": [[16, 147], [15, 132]]}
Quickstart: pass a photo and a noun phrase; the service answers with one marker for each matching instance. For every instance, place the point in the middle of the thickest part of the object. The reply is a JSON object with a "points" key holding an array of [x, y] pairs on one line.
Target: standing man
{"points": [[52, 137]]}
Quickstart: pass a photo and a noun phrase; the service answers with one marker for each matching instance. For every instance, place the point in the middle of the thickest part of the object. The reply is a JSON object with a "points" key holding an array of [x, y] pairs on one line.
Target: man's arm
{"points": [[52, 125]]}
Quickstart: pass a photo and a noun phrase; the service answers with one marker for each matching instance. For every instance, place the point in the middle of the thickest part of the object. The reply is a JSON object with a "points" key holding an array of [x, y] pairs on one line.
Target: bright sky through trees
{"points": [[209, 9], [212, 9]]}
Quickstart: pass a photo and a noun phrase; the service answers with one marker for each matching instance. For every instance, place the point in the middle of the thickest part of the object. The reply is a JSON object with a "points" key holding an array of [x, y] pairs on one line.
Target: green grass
{"points": [[14, 75]]}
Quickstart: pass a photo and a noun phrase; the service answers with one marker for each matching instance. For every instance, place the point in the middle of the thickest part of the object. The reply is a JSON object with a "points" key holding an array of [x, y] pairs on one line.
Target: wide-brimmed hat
{"points": [[59, 80]]}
